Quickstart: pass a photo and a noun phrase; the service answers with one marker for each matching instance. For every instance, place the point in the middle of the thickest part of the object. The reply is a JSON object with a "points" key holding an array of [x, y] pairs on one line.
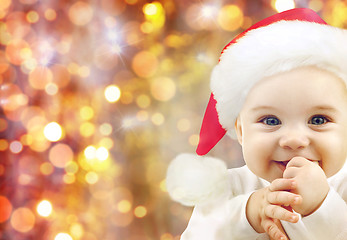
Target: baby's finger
{"points": [[280, 213], [283, 198], [281, 184], [272, 230]]}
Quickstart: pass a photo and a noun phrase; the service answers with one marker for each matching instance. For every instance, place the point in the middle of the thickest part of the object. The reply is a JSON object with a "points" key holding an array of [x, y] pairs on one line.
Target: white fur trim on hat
{"points": [[194, 180], [265, 51]]}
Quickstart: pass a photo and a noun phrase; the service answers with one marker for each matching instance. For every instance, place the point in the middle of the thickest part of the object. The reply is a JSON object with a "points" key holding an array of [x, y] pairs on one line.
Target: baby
{"points": [[280, 90]]}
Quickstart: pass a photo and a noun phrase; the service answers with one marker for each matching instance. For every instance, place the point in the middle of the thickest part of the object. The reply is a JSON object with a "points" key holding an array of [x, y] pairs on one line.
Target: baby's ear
{"points": [[238, 129]]}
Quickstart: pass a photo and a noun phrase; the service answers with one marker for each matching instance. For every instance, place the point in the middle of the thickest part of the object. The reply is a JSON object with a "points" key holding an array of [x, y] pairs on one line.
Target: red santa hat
{"points": [[282, 42]]}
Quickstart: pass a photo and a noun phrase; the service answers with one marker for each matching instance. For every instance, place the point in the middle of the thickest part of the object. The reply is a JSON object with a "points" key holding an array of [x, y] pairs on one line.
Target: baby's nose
{"points": [[294, 140]]}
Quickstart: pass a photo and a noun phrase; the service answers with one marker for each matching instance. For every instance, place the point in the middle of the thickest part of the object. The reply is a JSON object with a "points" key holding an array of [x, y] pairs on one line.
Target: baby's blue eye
{"points": [[318, 120], [272, 121]]}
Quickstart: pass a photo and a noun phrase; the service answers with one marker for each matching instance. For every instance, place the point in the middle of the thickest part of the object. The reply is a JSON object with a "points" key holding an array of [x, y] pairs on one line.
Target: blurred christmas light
{"points": [[105, 129], [91, 177], [53, 131], [23, 220], [90, 152], [16, 147], [209, 11], [101, 153], [5, 209], [230, 17], [44, 208], [124, 206], [77, 230], [60, 155], [283, 5], [140, 211], [63, 236], [81, 13], [112, 93]]}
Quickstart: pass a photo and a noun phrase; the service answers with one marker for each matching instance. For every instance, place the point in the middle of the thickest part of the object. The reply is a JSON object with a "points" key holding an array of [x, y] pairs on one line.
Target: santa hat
{"points": [[282, 42]]}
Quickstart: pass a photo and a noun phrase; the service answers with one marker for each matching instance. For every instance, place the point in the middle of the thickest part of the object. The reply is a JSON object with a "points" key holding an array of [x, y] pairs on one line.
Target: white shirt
{"points": [[226, 219]]}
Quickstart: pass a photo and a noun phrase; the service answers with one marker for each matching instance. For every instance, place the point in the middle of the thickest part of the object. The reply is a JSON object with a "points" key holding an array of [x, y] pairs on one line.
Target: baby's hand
{"points": [[267, 206], [312, 184]]}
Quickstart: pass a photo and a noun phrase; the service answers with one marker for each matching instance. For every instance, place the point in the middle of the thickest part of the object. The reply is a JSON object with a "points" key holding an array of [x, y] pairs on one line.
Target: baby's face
{"points": [[302, 112]]}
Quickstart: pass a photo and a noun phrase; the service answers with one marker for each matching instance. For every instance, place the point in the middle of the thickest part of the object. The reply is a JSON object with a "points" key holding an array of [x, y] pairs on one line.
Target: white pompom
{"points": [[194, 180]]}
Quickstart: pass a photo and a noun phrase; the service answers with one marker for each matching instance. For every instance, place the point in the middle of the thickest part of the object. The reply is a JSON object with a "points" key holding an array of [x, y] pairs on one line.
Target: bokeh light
{"points": [[44, 208], [23, 219], [112, 93], [53, 131], [97, 97], [5, 209]]}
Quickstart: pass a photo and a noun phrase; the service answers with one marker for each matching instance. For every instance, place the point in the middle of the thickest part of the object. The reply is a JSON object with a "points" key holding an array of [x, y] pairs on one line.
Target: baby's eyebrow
{"points": [[325, 108], [259, 108]]}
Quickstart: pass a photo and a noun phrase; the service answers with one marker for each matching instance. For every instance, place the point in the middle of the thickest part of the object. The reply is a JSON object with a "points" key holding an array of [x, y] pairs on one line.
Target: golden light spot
{"points": [[140, 211], [163, 89], [26, 139], [143, 101], [53, 131], [166, 236], [60, 155], [40, 77], [150, 9], [90, 152], [32, 17], [147, 27], [106, 142], [105, 129], [80, 13], [87, 129], [101, 153], [4, 4], [124, 206], [194, 140], [50, 14], [71, 167], [145, 64], [162, 186], [283, 5], [142, 115], [86, 113], [5, 209], [46, 168], [92, 177], [183, 125], [112, 93], [51, 89], [63, 236], [3, 144], [16, 147], [22, 220], [158, 119], [69, 178], [77, 230], [44, 208], [230, 17]]}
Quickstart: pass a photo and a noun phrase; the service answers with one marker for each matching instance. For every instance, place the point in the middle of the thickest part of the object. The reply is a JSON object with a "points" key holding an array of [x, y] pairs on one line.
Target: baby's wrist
{"points": [[252, 211]]}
